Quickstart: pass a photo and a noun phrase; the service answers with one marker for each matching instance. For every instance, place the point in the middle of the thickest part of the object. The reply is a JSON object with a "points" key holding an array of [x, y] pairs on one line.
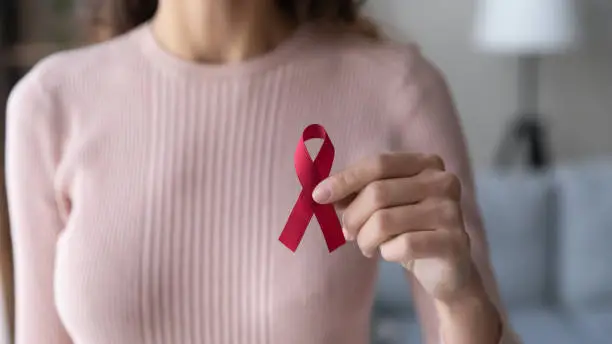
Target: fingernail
{"points": [[321, 193], [347, 235]]}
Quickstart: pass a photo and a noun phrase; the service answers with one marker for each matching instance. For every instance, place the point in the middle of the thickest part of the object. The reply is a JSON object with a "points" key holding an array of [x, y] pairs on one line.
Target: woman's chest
{"points": [[180, 207], [210, 157]]}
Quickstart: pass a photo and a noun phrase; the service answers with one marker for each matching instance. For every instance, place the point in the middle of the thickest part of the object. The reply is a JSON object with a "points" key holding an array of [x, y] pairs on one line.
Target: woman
{"points": [[151, 175]]}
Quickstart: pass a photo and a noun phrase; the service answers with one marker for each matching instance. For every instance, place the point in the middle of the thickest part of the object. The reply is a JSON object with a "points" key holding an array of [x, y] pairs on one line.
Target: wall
{"points": [[576, 90]]}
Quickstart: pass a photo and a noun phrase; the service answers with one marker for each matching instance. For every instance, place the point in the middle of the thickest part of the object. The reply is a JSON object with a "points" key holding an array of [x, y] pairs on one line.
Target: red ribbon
{"points": [[310, 174]]}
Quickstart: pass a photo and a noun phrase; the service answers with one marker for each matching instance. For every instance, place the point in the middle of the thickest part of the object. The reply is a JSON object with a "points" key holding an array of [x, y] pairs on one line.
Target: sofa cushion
{"points": [[597, 323], [516, 213], [585, 222], [533, 326], [539, 325], [393, 289], [401, 329]]}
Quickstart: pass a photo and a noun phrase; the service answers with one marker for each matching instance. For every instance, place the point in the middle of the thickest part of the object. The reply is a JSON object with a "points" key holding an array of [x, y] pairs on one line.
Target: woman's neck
{"points": [[219, 31]]}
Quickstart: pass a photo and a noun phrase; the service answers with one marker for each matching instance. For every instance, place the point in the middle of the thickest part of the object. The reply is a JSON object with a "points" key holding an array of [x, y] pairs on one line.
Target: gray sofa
{"points": [[551, 244]]}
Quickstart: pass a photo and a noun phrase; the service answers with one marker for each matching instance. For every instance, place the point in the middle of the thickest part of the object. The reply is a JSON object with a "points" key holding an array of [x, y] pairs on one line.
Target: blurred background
{"points": [[533, 83]]}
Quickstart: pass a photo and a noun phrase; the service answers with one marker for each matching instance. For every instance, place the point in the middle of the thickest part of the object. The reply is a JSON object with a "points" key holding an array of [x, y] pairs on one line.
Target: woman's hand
{"points": [[407, 207]]}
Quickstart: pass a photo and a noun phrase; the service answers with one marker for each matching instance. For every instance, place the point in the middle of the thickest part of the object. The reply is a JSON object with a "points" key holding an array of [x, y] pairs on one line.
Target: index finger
{"points": [[386, 166]]}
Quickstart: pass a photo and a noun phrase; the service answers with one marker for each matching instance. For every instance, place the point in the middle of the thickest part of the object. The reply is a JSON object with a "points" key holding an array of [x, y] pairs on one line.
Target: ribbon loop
{"points": [[310, 173]]}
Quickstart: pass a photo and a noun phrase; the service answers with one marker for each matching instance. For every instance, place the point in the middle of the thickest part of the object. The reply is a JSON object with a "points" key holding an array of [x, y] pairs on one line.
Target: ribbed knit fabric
{"points": [[147, 193]]}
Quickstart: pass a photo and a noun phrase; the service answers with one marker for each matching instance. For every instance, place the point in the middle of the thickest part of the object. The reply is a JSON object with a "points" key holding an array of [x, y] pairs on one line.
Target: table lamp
{"points": [[529, 30]]}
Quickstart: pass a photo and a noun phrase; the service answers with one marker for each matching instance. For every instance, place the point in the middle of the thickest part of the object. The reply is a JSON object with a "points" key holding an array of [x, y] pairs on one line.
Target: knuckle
{"points": [[428, 175], [378, 194], [388, 254], [449, 210], [426, 181], [435, 161], [465, 240], [382, 221], [382, 163], [345, 179], [409, 245], [450, 185], [460, 244], [411, 248]]}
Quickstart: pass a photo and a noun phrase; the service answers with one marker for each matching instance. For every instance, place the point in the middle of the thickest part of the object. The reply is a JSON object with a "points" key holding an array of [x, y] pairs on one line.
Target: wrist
{"points": [[470, 317]]}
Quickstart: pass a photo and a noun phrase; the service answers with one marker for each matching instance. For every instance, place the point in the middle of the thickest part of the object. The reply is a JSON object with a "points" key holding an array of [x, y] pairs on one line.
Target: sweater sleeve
{"points": [[31, 159], [430, 124]]}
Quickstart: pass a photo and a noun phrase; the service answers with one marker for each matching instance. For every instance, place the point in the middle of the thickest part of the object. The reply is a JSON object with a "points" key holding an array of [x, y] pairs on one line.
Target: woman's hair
{"points": [[114, 17]]}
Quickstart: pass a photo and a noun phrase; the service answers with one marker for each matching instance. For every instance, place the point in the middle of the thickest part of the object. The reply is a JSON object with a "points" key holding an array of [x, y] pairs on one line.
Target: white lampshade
{"points": [[525, 27]]}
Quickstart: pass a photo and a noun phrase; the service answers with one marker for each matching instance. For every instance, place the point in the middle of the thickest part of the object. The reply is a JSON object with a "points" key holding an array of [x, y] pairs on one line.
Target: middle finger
{"points": [[388, 193], [387, 223]]}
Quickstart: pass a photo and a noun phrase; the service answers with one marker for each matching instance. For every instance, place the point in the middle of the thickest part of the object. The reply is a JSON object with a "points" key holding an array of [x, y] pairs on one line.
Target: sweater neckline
{"points": [[283, 53]]}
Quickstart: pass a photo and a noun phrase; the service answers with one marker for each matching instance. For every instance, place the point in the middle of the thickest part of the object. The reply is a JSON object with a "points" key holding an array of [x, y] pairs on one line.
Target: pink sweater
{"points": [[147, 193]]}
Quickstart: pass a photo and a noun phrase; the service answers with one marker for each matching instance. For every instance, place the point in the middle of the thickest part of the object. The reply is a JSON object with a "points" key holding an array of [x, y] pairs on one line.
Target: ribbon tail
{"points": [[330, 226], [296, 225]]}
